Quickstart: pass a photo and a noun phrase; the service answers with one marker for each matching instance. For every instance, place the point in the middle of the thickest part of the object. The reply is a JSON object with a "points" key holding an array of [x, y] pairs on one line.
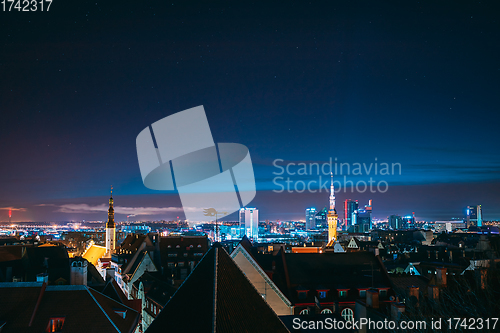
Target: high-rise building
{"points": [[395, 222], [321, 219], [332, 218], [474, 216], [350, 211], [110, 229], [249, 223], [408, 221], [311, 218]]}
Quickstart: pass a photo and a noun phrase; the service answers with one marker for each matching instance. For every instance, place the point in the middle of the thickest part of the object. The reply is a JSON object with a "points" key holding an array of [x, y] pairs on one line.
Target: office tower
{"points": [[321, 219], [350, 211], [332, 218], [249, 223], [311, 218], [408, 221], [474, 216], [395, 222]]}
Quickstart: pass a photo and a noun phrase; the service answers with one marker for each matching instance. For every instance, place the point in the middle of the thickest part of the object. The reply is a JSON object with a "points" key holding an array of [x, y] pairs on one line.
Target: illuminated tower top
{"points": [[111, 212], [332, 196]]}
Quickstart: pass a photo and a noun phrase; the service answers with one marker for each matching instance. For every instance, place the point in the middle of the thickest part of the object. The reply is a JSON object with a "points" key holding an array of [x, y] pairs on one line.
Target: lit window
{"points": [[55, 324], [362, 293], [347, 314], [343, 293], [304, 312], [199, 245], [177, 246], [302, 294], [326, 311], [322, 294]]}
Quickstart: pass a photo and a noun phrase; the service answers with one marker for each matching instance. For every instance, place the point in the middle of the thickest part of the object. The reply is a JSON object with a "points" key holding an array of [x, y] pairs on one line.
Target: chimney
{"points": [[433, 292], [413, 291], [396, 310], [372, 298], [441, 276], [482, 278]]}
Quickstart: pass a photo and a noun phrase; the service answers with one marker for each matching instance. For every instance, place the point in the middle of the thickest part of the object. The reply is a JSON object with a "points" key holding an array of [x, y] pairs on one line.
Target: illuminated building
{"points": [[249, 223], [110, 228], [321, 220], [310, 218], [474, 216], [395, 222], [332, 218], [350, 212]]}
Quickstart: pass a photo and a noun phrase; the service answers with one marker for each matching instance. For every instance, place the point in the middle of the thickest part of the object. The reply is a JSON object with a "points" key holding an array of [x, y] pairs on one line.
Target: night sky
{"points": [[409, 82]]}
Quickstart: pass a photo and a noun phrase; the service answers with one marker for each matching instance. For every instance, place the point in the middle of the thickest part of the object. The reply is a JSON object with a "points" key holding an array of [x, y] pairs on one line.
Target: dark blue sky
{"points": [[413, 82]]}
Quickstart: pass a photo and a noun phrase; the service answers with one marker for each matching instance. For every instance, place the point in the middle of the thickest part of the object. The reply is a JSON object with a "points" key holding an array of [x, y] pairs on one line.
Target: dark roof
{"points": [[53, 260], [84, 309], [401, 282], [224, 299], [352, 270]]}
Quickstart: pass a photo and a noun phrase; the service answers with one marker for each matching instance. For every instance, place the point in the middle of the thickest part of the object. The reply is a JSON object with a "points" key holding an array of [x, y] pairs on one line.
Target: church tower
{"points": [[332, 218], [110, 228]]}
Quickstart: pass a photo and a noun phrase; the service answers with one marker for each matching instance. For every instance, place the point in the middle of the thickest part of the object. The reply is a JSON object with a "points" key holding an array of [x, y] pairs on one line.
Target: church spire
{"points": [[111, 212], [332, 195]]}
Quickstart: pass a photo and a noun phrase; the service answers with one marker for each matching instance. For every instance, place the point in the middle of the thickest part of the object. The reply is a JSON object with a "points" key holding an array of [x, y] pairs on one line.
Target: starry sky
{"points": [[413, 83]]}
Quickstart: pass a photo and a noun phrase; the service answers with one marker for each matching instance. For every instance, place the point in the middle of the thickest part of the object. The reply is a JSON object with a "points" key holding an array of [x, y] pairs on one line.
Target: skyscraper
{"points": [[332, 218], [110, 228], [474, 216], [310, 218], [249, 223], [350, 208], [395, 222]]}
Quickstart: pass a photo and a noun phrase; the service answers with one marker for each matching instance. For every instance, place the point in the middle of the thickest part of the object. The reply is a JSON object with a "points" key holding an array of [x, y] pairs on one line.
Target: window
{"points": [[383, 292], [121, 312], [172, 254], [326, 311], [322, 294], [302, 294], [55, 324], [177, 246], [199, 245], [304, 312], [362, 293], [198, 254], [342, 293], [181, 264], [171, 265], [347, 314]]}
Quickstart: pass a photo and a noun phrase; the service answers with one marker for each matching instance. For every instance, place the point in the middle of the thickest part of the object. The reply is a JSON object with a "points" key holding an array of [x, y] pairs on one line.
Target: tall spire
{"points": [[111, 212], [332, 195]]}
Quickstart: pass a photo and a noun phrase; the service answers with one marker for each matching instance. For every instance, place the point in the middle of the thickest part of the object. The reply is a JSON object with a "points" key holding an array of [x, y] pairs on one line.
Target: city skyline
{"points": [[306, 83]]}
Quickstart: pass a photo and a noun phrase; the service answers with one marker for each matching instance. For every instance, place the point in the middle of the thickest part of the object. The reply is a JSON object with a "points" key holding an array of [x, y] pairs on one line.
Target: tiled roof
{"points": [[84, 309], [328, 270], [216, 297], [94, 253]]}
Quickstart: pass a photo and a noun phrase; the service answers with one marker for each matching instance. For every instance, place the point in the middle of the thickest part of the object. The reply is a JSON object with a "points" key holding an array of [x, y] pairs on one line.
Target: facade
{"points": [[321, 219], [332, 218], [249, 223], [350, 212], [474, 216], [395, 222], [311, 218]]}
